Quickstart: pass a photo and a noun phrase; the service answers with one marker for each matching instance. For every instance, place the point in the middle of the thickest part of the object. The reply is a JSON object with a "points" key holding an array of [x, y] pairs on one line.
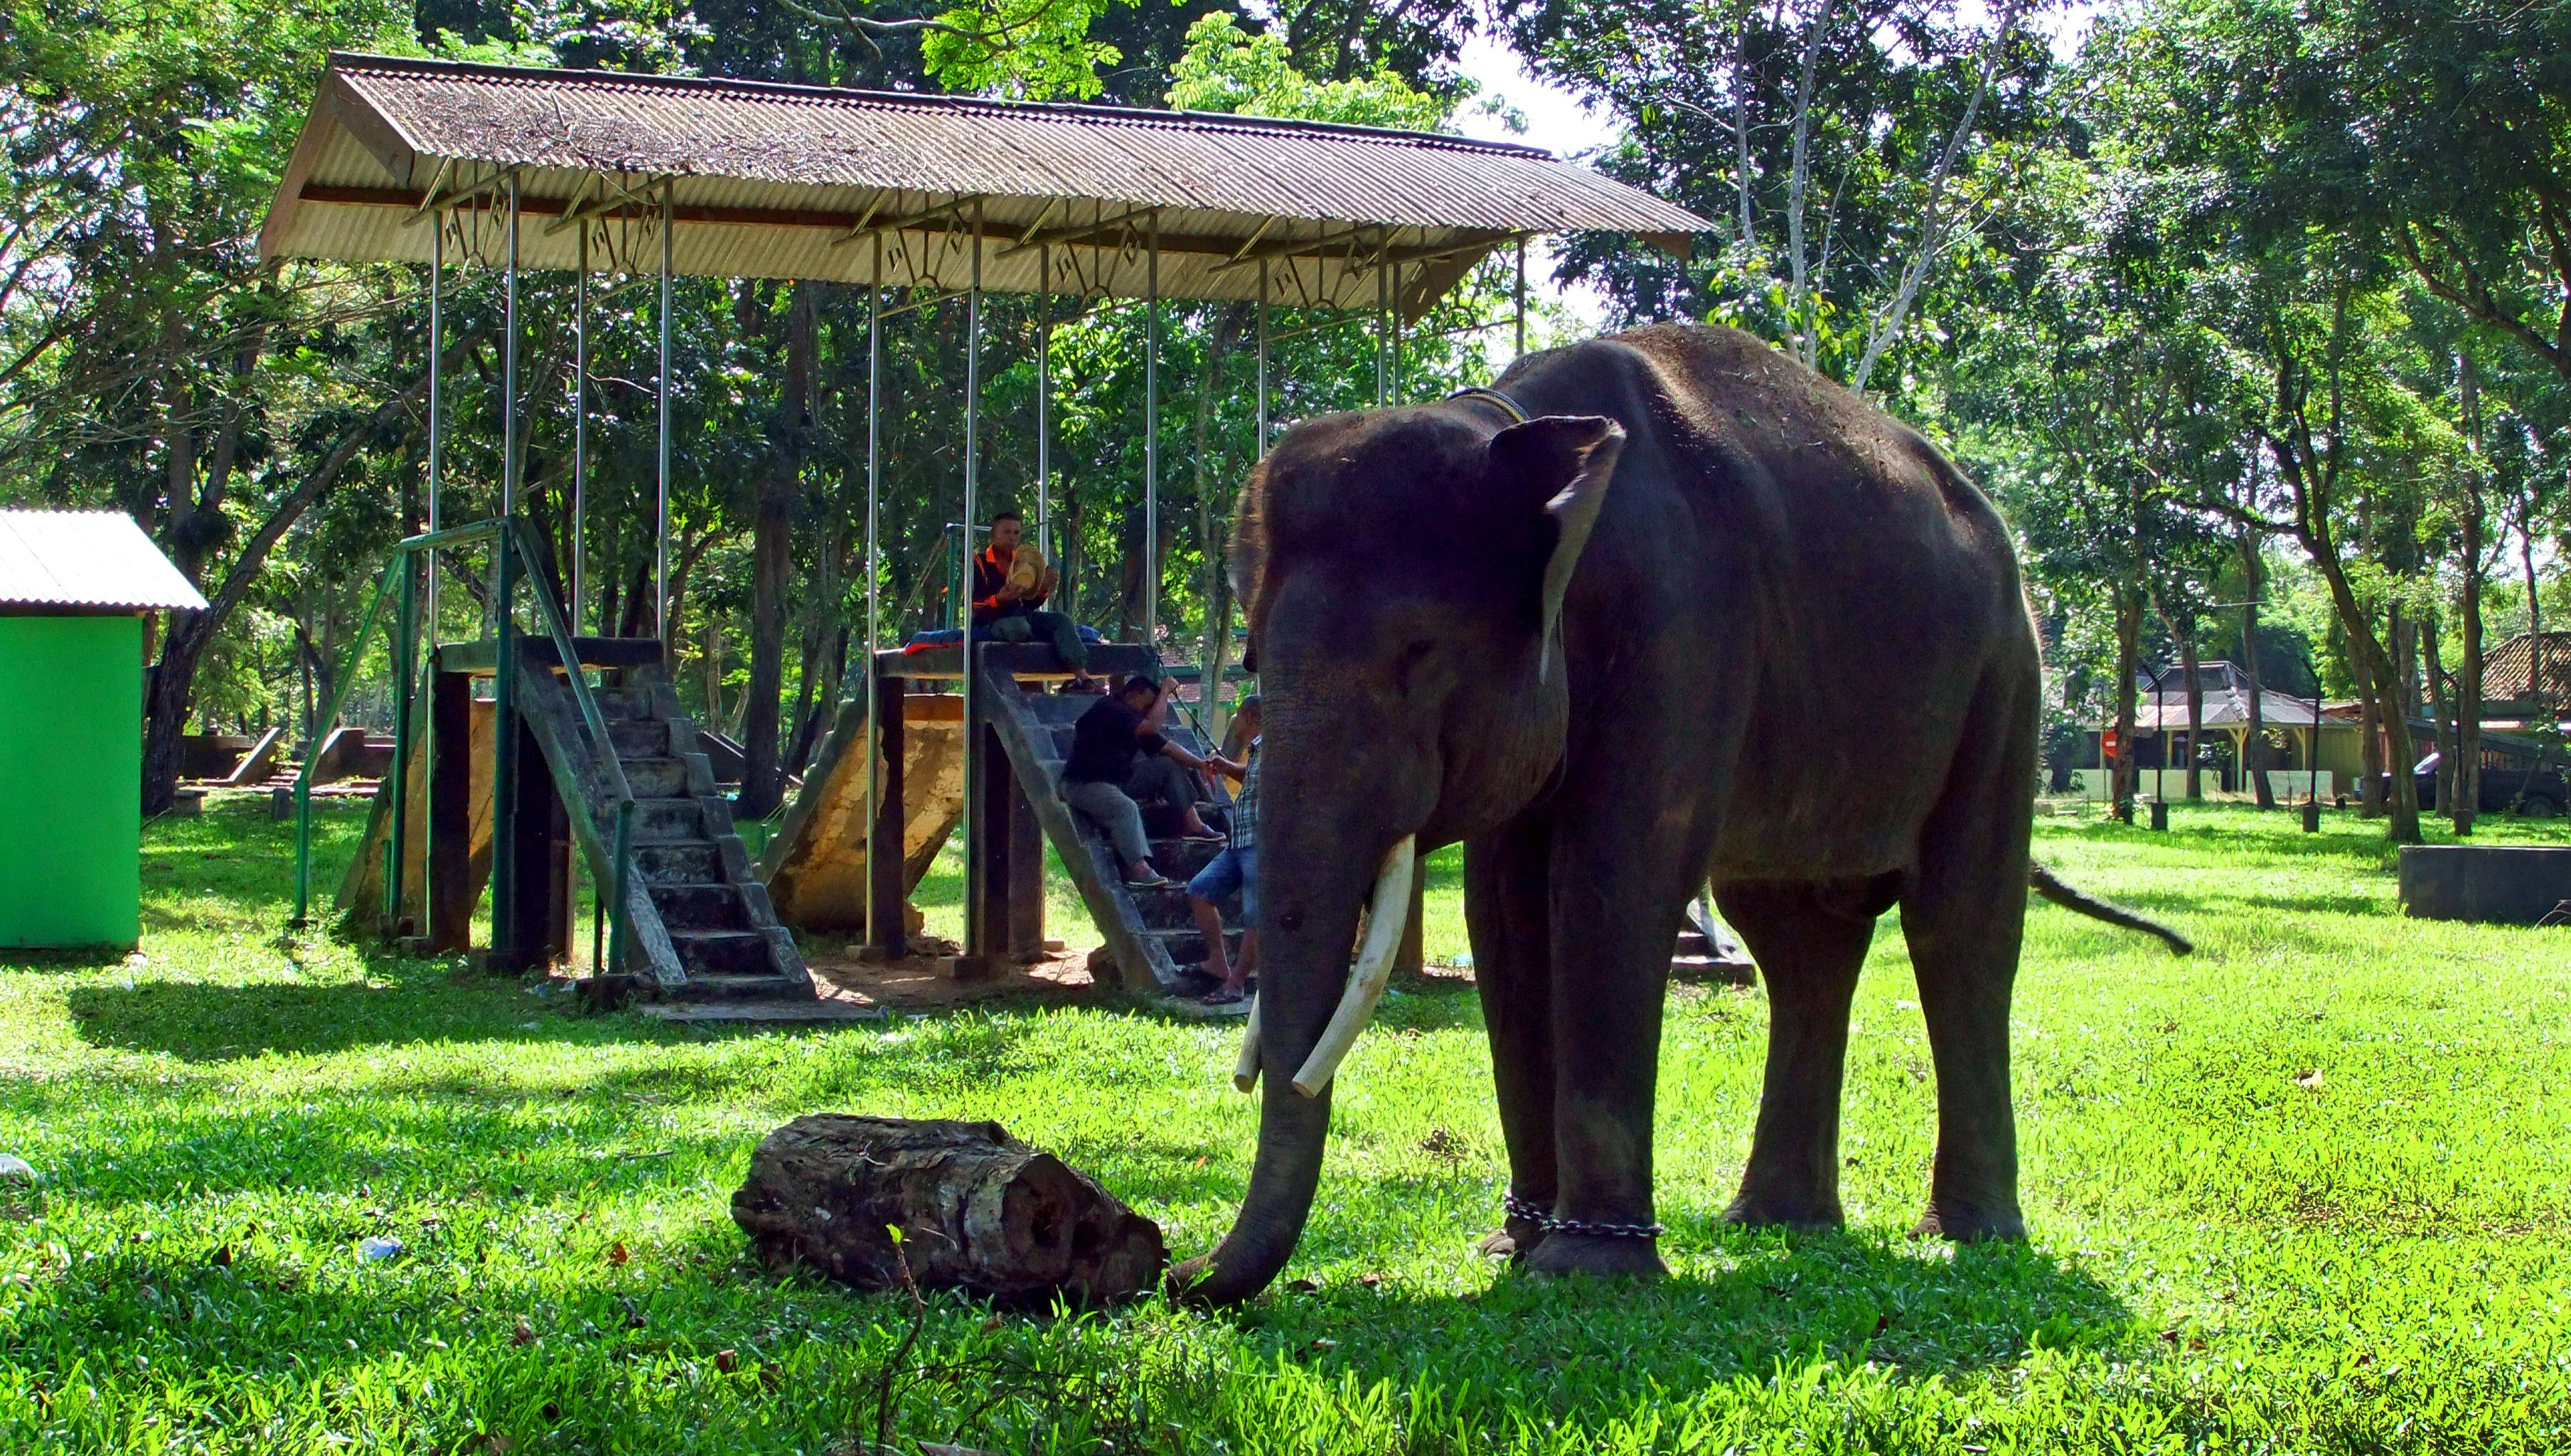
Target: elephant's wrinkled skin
{"points": [[1793, 658]]}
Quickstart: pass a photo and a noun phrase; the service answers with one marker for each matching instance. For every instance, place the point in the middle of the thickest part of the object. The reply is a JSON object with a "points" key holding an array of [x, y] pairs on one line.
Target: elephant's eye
{"points": [[1415, 668]]}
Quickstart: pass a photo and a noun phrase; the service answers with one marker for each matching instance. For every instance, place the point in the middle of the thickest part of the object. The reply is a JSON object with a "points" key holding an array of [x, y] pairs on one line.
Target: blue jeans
{"points": [[1233, 869]]}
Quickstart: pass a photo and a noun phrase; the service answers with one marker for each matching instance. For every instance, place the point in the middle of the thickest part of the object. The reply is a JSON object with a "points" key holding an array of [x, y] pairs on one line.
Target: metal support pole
{"points": [[973, 765], [504, 563], [1151, 443], [874, 565], [1383, 332], [1044, 401], [436, 403], [509, 368], [1521, 300], [661, 498], [1262, 360], [1392, 325], [579, 436]]}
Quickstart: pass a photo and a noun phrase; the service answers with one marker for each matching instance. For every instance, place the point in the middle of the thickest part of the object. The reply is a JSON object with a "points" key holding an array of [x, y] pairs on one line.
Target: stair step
{"points": [[741, 988], [656, 778], [713, 906], [1167, 910], [639, 737], [722, 952], [1709, 970], [627, 704], [1693, 942], [669, 822], [1179, 859], [1186, 947], [662, 864]]}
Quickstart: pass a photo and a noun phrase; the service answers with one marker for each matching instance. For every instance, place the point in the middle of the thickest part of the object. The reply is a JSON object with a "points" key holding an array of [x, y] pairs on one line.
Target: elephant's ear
{"points": [[1560, 463]]}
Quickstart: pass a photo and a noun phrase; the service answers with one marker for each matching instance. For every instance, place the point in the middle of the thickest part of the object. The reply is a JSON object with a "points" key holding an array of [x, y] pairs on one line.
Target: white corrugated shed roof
{"points": [[91, 559], [777, 181]]}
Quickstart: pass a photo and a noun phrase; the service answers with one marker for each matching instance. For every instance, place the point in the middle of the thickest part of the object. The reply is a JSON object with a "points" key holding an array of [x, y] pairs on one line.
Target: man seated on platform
{"points": [[1119, 761], [1008, 605], [1235, 868]]}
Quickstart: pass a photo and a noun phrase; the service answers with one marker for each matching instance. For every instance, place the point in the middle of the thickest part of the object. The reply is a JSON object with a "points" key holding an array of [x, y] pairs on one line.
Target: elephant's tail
{"points": [[2087, 904]]}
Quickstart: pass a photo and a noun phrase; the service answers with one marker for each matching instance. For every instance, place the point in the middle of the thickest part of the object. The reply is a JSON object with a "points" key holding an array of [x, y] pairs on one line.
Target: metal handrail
{"points": [[513, 536]]}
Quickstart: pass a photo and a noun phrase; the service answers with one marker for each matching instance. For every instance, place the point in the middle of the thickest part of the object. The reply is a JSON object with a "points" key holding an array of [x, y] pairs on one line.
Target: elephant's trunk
{"points": [[1309, 1009]]}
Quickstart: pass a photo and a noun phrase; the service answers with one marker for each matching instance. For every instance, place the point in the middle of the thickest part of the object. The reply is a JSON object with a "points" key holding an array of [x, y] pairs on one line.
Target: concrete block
{"points": [[2500, 885]]}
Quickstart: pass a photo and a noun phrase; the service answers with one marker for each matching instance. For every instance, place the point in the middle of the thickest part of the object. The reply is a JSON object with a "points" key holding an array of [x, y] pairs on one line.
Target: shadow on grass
{"points": [[402, 1002], [1926, 1309]]}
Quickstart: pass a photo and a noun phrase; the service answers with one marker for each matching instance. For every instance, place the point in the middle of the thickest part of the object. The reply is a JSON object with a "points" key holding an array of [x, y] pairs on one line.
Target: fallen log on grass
{"points": [[978, 1211]]}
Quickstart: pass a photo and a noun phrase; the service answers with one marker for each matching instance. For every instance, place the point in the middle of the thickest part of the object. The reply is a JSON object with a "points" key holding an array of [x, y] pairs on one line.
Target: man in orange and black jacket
{"points": [[1003, 612]]}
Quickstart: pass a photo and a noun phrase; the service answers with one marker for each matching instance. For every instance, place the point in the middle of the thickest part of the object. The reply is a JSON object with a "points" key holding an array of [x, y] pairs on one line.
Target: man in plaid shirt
{"points": [[1235, 868]]}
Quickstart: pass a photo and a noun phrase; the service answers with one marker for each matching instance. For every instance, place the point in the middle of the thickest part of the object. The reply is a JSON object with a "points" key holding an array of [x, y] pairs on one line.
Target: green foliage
{"points": [[1230, 69], [1031, 49]]}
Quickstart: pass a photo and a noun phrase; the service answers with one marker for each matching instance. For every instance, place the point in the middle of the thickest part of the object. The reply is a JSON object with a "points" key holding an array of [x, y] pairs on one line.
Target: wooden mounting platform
{"points": [[1027, 661], [481, 659]]}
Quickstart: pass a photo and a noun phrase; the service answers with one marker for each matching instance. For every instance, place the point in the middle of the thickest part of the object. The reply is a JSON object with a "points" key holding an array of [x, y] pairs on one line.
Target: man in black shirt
{"points": [[1005, 612], [1118, 760]]}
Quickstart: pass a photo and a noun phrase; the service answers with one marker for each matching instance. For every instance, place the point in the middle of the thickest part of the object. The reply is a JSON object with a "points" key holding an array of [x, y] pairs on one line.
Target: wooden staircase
{"points": [[700, 926], [1151, 939]]}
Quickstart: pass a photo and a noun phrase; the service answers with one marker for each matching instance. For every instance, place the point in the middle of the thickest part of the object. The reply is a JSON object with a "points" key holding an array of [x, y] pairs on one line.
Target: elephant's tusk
{"points": [[1386, 917], [1245, 1073]]}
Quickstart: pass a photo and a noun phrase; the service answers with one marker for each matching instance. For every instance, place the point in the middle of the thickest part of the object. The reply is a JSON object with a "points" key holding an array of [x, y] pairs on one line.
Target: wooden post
{"points": [[447, 871], [534, 929], [988, 847], [888, 938], [1025, 836]]}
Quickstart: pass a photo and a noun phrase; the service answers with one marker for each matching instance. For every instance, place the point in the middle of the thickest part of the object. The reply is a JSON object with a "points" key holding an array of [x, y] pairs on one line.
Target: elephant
{"points": [[1659, 609]]}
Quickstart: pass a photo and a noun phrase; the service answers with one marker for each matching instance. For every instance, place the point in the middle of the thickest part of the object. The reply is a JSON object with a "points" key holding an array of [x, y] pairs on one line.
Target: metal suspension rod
{"points": [[1151, 443], [973, 765], [1392, 325], [661, 496], [1262, 360], [1383, 315], [1521, 299], [436, 399], [1044, 398], [874, 572], [504, 562], [509, 369], [580, 434]]}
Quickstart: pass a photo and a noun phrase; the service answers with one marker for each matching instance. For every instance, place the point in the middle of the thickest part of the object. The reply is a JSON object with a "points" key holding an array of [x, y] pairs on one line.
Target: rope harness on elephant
{"points": [[1516, 413], [1550, 1222]]}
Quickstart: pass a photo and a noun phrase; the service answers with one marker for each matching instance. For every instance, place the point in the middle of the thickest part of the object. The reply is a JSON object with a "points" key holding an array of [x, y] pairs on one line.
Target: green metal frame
{"points": [[518, 559]]}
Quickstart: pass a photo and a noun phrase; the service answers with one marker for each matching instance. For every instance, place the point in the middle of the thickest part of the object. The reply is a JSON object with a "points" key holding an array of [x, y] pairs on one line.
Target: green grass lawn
{"points": [[2224, 1259]]}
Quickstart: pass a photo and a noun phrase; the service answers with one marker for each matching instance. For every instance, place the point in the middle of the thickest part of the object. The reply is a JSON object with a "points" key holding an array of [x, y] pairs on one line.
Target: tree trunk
{"points": [[174, 677], [2467, 802], [977, 1210], [2439, 719], [2254, 747], [773, 563], [2370, 729], [2128, 627]]}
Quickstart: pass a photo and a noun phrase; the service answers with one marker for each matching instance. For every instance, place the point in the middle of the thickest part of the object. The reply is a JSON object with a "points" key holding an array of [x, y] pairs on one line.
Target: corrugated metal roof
{"points": [[775, 180], [86, 559]]}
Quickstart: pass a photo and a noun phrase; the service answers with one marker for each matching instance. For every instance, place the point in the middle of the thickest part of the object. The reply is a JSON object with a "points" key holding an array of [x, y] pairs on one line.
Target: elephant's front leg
{"points": [[1616, 903], [1505, 916]]}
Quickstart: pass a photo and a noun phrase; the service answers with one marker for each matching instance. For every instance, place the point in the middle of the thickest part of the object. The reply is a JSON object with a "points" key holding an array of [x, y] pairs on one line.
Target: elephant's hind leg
{"points": [[1810, 946], [1964, 914]]}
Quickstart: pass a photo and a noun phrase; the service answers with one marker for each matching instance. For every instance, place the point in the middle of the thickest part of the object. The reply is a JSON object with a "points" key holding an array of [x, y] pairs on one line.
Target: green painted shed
{"points": [[75, 587]]}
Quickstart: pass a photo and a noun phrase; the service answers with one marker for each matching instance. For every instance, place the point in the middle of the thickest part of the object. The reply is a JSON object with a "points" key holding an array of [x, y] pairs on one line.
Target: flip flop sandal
{"points": [[1224, 998]]}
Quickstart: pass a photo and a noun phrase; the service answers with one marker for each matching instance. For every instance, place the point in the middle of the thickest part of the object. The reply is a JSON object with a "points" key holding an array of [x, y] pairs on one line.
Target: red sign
{"points": [[2107, 741]]}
